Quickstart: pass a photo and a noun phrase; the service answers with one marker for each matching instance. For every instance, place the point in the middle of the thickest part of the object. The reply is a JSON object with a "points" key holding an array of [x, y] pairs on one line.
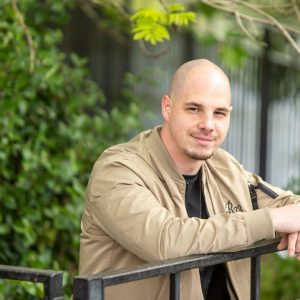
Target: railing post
{"points": [[52, 280], [265, 99], [53, 287], [255, 278], [175, 286], [88, 289]]}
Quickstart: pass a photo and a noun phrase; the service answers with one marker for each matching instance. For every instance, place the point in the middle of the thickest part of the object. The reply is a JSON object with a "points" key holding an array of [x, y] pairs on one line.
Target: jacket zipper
{"points": [[227, 276], [230, 282]]}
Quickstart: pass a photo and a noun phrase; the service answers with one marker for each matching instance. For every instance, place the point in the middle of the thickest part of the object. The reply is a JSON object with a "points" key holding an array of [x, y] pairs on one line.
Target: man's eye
{"points": [[193, 109], [221, 113]]}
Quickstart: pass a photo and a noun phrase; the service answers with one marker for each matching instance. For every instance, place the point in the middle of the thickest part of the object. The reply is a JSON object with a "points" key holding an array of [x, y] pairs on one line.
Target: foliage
{"points": [[294, 185], [152, 24], [238, 26], [280, 274], [279, 278], [52, 128], [251, 16]]}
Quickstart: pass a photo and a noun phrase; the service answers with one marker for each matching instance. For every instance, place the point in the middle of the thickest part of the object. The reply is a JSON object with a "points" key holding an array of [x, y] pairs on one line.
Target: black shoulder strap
{"points": [[263, 188], [267, 190], [253, 196]]}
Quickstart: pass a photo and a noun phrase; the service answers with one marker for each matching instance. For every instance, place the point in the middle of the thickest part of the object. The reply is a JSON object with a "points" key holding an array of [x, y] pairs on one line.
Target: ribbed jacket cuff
{"points": [[259, 225]]}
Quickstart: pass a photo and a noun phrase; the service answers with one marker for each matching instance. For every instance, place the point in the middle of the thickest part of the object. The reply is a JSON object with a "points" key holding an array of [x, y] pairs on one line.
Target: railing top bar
{"points": [[178, 264], [30, 274]]}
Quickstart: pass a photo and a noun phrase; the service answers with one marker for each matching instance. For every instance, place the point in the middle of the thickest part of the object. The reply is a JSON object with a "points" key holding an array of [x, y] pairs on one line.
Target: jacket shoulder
{"points": [[134, 148], [223, 158]]}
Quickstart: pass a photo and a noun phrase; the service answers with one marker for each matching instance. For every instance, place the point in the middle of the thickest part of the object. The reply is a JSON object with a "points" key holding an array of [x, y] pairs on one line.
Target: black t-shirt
{"points": [[213, 279]]}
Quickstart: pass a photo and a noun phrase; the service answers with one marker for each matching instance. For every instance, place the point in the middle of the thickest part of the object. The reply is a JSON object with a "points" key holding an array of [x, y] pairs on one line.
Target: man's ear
{"points": [[166, 104]]}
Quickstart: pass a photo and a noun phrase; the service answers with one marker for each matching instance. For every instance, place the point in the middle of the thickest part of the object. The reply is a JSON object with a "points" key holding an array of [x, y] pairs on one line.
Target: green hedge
{"points": [[280, 278], [52, 128]]}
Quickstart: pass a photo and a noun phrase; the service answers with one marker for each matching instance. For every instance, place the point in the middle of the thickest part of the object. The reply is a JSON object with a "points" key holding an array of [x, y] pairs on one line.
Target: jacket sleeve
{"points": [[129, 213]]}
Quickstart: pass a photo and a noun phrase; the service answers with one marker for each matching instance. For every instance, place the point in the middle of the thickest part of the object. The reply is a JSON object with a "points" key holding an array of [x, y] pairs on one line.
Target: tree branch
{"points": [[89, 11], [227, 6], [20, 20], [296, 10], [115, 5], [275, 22], [87, 8], [245, 30]]}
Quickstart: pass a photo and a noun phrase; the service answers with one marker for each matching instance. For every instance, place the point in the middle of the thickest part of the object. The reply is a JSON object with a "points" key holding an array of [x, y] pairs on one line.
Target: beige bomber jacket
{"points": [[135, 213]]}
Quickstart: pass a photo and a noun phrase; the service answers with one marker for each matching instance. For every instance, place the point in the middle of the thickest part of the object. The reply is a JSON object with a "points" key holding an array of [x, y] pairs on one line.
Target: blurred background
{"points": [[79, 75]]}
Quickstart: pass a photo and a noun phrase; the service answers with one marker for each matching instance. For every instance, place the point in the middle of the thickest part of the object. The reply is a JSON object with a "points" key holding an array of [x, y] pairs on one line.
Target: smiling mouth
{"points": [[203, 140]]}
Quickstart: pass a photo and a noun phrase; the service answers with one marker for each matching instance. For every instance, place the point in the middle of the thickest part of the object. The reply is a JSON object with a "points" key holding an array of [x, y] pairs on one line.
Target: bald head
{"points": [[201, 70]]}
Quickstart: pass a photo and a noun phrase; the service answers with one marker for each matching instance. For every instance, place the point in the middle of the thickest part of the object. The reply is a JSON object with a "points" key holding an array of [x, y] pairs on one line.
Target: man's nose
{"points": [[206, 121]]}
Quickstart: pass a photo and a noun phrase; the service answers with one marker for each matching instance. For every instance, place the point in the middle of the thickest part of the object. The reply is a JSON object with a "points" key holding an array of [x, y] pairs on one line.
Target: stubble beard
{"points": [[198, 156]]}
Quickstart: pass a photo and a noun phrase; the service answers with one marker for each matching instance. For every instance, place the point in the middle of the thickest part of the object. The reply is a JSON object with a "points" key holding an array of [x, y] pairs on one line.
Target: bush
{"points": [[52, 128], [279, 278]]}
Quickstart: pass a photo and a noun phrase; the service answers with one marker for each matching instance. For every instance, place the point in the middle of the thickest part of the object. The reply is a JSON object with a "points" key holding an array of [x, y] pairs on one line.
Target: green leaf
{"points": [[181, 18], [149, 15], [153, 34], [4, 229]]}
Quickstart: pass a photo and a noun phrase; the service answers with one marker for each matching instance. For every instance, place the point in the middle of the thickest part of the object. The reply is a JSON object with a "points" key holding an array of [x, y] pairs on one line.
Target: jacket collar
{"points": [[161, 158]]}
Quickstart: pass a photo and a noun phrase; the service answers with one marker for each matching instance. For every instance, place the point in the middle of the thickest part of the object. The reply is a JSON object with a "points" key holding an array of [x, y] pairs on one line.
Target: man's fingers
{"points": [[298, 247], [292, 240], [298, 244], [283, 243]]}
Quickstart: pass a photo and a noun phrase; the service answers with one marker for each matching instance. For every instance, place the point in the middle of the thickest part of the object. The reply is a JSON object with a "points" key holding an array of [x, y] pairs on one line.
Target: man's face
{"points": [[199, 117]]}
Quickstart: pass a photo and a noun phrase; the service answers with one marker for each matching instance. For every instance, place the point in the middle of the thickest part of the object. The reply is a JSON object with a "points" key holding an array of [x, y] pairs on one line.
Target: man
{"points": [[172, 192]]}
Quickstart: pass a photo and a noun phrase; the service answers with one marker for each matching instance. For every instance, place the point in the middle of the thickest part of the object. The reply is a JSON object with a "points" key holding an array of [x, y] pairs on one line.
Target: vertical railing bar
{"points": [[97, 290], [175, 286], [53, 287], [85, 289], [255, 278]]}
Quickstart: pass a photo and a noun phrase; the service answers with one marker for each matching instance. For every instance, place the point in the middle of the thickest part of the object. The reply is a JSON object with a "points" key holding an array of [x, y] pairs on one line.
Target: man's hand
{"points": [[292, 242], [286, 219]]}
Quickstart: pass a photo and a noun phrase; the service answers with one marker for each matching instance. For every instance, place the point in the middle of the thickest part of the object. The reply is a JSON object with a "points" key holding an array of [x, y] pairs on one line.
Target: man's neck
{"points": [[186, 169], [184, 164]]}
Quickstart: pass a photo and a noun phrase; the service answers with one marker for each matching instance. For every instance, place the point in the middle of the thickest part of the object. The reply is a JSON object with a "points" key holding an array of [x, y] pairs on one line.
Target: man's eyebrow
{"points": [[193, 104], [225, 109]]}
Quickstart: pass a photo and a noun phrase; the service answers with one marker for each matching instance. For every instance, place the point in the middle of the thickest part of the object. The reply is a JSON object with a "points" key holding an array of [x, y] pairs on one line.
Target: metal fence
{"points": [[93, 287], [52, 280]]}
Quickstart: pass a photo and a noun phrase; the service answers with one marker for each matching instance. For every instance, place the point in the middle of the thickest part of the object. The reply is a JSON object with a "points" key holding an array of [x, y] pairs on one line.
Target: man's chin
{"points": [[199, 156]]}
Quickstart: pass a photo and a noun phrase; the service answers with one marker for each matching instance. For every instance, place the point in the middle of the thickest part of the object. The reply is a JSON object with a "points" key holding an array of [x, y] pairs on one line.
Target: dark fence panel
{"points": [[92, 287], [52, 280]]}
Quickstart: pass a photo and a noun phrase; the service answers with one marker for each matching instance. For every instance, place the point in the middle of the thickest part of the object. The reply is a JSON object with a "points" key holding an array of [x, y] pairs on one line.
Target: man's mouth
{"points": [[203, 140]]}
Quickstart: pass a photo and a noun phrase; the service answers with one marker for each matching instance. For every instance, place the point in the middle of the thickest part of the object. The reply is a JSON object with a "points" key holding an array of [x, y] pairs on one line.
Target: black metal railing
{"points": [[52, 280], [92, 287]]}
